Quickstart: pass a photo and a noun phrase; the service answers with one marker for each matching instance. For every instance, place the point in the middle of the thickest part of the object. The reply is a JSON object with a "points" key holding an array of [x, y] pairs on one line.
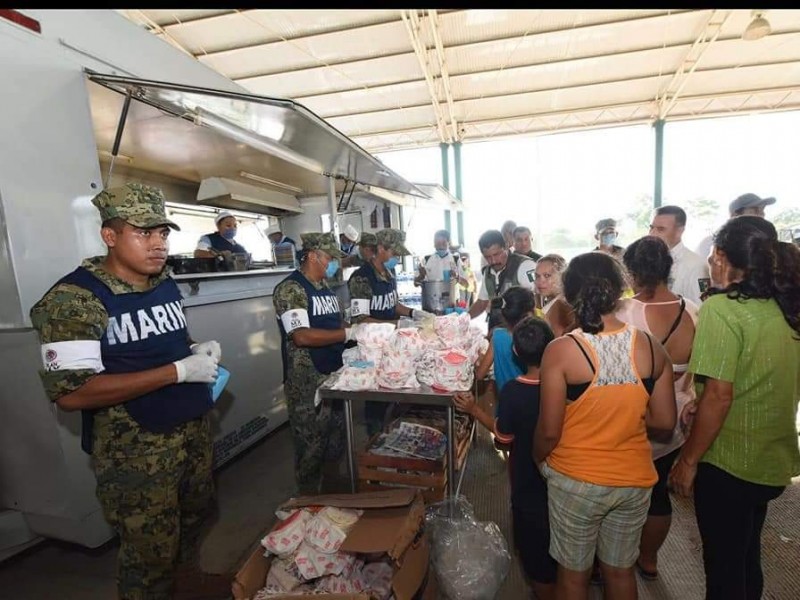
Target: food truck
{"points": [[89, 101]]}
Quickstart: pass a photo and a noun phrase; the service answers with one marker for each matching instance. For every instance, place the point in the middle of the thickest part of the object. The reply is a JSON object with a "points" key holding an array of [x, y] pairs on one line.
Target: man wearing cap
{"points": [[442, 264], [606, 234], [275, 236], [689, 271], [373, 297], [348, 240], [313, 337], [221, 240], [373, 287], [115, 346], [746, 204]]}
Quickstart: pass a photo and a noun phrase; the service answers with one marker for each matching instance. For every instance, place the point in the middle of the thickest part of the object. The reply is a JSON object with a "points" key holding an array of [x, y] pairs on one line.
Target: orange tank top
{"points": [[604, 439]]}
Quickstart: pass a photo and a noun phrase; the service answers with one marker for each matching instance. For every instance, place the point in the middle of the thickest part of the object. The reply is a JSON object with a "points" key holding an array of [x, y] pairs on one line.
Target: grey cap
{"points": [[748, 201], [605, 224]]}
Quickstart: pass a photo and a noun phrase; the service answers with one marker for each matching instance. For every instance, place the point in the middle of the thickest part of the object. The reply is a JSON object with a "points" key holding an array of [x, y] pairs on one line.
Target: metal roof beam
{"points": [[555, 89], [179, 22], [411, 22], [138, 16], [635, 104], [666, 100], [550, 63], [433, 20], [499, 38]]}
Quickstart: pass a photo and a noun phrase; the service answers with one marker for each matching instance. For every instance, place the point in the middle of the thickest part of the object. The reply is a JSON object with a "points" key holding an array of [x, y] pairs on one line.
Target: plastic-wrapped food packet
{"points": [[287, 536]]}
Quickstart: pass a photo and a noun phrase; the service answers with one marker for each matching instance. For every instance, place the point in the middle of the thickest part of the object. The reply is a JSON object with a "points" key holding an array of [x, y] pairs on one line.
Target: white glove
{"points": [[210, 348], [421, 315], [351, 333], [196, 368]]}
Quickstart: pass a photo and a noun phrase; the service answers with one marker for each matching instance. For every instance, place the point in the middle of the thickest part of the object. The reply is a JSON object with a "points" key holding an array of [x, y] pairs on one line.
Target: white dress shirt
{"points": [[687, 269]]}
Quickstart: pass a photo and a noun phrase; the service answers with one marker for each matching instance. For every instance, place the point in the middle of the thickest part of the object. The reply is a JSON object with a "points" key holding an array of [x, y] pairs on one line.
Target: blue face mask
{"points": [[229, 234], [391, 263], [441, 253], [607, 239], [332, 267]]}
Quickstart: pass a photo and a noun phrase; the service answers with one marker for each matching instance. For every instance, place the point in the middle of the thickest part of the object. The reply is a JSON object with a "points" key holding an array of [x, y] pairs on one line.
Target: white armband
{"points": [[296, 318], [71, 356], [359, 307]]}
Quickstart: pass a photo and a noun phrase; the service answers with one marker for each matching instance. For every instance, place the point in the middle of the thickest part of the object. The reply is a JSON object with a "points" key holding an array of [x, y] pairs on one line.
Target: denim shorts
{"points": [[586, 518]]}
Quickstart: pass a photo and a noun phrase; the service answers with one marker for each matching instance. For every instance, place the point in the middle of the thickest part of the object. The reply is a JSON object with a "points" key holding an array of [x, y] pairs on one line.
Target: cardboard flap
{"points": [[408, 578], [390, 498], [388, 530]]}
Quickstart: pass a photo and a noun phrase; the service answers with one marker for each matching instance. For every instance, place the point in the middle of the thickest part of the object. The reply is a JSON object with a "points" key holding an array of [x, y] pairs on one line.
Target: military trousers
{"points": [[157, 492], [317, 432]]}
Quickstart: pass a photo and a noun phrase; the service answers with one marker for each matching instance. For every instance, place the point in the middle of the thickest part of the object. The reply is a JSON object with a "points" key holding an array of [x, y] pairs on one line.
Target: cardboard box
{"points": [[392, 523]]}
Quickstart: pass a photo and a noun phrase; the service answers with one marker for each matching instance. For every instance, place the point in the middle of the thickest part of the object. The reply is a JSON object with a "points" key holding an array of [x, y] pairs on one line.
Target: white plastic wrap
{"points": [[470, 558]]}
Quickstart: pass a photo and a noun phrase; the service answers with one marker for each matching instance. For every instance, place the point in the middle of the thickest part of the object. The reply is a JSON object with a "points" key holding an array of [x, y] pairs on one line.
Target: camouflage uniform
{"points": [[317, 432], [155, 489], [360, 288]]}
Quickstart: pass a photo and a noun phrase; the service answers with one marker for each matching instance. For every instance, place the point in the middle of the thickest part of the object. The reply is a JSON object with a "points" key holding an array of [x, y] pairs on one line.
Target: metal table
{"points": [[424, 395]]}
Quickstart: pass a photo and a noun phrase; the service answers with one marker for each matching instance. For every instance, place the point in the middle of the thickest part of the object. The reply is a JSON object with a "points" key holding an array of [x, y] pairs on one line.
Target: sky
{"points": [[571, 180]]}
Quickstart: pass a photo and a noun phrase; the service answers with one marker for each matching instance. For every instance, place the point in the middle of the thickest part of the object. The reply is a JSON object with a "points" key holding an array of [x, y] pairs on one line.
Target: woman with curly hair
{"points": [[671, 320], [742, 450], [602, 387], [550, 303]]}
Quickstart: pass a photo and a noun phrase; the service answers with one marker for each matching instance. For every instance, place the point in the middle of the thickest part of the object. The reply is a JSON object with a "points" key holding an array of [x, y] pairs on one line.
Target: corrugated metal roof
{"points": [[393, 79]]}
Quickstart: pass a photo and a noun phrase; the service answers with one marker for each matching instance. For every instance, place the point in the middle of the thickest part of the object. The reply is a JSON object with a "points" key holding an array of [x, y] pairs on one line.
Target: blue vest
{"points": [[383, 304], [323, 313], [219, 243], [145, 330]]}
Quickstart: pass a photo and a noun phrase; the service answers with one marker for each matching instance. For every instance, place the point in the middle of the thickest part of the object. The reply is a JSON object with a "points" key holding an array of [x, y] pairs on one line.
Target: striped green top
{"points": [[750, 344]]}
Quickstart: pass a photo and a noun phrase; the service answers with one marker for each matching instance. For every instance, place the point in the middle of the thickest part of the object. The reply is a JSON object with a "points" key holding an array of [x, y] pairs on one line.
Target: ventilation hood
{"points": [[229, 193]]}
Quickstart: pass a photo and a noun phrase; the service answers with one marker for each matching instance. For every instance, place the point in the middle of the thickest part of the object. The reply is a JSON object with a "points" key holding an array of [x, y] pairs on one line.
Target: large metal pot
{"points": [[439, 295]]}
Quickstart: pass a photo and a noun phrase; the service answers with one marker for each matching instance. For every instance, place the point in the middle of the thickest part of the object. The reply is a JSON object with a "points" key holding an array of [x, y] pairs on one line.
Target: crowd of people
{"points": [[614, 387], [634, 372]]}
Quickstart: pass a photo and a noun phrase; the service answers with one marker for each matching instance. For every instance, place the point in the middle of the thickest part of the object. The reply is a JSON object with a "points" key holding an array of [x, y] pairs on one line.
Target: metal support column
{"points": [[460, 214], [659, 127], [332, 205], [446, 179]]}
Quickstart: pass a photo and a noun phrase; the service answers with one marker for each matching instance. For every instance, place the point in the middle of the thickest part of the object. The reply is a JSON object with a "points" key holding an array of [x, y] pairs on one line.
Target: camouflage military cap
{"points": [[322, 241], [368, 239], [393, 240], [140, 205]]}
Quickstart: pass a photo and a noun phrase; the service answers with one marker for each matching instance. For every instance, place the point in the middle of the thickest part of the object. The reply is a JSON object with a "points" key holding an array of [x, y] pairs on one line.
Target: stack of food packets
{"points": [[307, 560]]}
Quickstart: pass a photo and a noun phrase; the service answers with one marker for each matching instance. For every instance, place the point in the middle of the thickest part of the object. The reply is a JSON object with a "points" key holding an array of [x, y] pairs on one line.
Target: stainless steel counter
{"points": [[424, 395], [226, 286]]}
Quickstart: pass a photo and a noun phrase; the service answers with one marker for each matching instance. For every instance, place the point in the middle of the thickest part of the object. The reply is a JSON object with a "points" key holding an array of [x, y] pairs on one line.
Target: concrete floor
{"points": [[252, 485]]}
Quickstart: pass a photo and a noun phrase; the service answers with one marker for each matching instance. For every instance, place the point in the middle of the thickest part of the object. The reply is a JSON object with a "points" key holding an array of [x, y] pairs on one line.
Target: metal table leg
{"points": [[348, 427], [452, 487]]}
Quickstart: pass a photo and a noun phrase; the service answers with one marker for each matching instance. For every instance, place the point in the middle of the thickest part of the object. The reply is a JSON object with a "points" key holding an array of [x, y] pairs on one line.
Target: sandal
{"points": [[645, 574]]}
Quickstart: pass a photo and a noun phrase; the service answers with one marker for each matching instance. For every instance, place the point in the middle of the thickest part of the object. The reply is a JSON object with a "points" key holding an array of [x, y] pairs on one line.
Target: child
{"points": [[515, 304], [515, 424]]}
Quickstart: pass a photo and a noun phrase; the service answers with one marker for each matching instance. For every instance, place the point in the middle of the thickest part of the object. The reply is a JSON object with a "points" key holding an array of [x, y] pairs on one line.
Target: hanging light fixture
{"points": [[758, 28]]}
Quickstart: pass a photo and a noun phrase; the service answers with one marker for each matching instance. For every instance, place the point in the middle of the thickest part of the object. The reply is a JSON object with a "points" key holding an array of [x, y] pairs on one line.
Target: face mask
{"points": [[441, 253], [331, 269], [229, 234], [607, 239], [358, 252], [391, 263]]}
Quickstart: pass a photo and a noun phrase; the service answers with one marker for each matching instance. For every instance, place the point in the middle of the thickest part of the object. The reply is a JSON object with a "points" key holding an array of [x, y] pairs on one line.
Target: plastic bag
{"points": [[470, 558]]}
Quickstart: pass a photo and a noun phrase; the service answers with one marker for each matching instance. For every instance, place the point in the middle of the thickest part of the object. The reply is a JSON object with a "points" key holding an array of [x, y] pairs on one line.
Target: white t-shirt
{"points": [[687, 269], [526, 276], [435, 267]]}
